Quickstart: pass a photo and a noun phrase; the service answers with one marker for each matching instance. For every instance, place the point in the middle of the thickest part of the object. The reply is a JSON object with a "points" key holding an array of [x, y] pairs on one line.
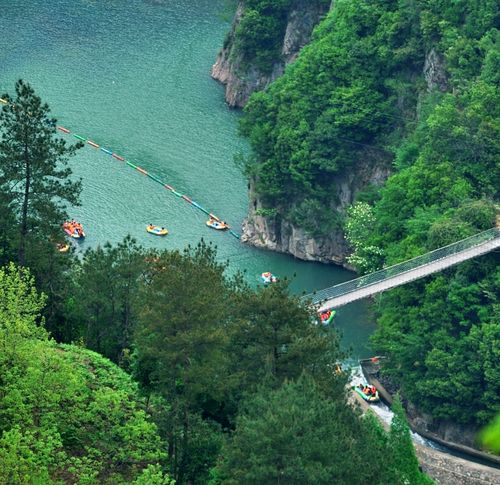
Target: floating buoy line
{"points": [[93, 144]]}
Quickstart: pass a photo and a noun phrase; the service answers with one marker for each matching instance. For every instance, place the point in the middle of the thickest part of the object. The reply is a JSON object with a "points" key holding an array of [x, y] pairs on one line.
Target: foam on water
{"points": [[385, 413]]}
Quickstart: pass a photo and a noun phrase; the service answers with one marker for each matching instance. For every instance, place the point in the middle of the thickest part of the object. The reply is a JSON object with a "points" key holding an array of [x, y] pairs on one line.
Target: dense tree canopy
{"points": [[237, 384], [66, 413], [295, 435], [330, 109], [204, 340], [259, 35], [104, 298], [415, 83]]}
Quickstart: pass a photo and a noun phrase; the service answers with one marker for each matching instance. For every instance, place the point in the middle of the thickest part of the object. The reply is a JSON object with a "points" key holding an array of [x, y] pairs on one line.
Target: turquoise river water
{"points": [[134, 76]]}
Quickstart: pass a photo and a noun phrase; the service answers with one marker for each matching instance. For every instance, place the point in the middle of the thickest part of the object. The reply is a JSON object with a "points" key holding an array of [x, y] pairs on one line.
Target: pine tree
{"points": [[34, 176], [296, 435], [404, 467], [275, 337], [107, 281], [181, 341]]}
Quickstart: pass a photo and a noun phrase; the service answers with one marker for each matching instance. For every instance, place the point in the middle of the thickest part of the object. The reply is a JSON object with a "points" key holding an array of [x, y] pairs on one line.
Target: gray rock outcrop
{"points": [[435, 72], [278, 234], [241, 83]]}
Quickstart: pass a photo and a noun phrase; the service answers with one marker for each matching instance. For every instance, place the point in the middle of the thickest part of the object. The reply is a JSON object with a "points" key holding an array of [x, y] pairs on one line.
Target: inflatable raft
{"points": [[62, 247], [268, 277], [157, 230], [218, 225], [73, 229], [368, 393], [326, 317]]}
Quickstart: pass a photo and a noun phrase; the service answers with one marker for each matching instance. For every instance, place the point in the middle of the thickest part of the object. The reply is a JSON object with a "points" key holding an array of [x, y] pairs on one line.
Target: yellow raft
{"points": [[156, 230], [62, 248], [218, 225]]}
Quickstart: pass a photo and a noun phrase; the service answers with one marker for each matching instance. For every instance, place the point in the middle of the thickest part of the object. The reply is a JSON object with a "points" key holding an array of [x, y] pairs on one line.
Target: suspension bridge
{"points": [[402, 273]]}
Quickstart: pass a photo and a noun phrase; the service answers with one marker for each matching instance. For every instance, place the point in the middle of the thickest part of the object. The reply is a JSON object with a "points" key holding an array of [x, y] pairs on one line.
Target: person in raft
{"points": [[326, 315], [370, 390], [151, 226], [367, 390]]}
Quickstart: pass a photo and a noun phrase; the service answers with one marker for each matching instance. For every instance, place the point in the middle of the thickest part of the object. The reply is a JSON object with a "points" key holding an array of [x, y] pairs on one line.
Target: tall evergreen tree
{"points": [[275, 337], [403, 465], [34, 176], [107, 281], [7, 225], [296, 435], [181, 343]]}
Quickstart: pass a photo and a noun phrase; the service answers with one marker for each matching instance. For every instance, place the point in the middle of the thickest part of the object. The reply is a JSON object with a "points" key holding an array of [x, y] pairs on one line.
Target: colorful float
{"points": [[218, 225], [268, 277], [367, 392], [326, 317], [156, 230], [73, 229]]}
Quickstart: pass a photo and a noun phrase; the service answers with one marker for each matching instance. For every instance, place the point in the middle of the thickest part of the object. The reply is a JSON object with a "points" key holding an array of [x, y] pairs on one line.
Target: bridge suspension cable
{"points": [[402, 273]]}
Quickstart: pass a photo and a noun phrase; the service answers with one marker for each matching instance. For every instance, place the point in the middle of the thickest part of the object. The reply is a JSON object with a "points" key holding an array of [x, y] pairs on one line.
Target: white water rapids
{"points": [[384, 412]]}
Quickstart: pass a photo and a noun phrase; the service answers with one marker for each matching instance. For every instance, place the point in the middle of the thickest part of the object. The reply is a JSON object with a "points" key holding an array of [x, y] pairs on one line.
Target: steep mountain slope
{"points": [[264, 38], [406, 91]]}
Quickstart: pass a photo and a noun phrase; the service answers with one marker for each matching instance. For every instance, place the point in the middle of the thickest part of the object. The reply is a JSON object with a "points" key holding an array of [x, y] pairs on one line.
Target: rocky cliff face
{"points": [[446, 430], [228, 66], [278, 234], [435, 72]]}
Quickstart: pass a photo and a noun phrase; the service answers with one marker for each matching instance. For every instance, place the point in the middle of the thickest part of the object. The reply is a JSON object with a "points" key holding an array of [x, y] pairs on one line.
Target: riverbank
{"points": [[371, 371], [451, 470], [442, 467]]}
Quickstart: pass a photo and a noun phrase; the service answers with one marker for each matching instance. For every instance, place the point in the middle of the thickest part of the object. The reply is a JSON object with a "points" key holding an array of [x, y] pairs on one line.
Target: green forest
{"points": [[125, 365], [258, 37], [358, 93], [132, 366]]}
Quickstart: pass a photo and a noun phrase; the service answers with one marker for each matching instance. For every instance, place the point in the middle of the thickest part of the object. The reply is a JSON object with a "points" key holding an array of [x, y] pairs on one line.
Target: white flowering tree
{"points": [[359, 228]]}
